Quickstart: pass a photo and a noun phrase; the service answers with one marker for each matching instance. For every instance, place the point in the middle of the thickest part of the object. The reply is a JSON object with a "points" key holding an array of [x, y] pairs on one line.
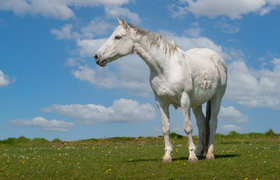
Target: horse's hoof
{"points": [[166, 159], [210, 157], [192, 160]]}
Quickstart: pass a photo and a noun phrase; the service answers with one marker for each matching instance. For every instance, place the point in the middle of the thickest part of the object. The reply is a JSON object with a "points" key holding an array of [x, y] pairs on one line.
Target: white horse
{"points": [[183, 79]]}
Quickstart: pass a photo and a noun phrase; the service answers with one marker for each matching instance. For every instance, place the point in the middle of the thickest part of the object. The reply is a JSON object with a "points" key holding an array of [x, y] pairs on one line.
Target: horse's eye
{"points": [[118, 37]]}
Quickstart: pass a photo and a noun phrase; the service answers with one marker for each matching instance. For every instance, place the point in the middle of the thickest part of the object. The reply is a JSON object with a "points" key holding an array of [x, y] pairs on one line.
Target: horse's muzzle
{"points": [[99, 62]]}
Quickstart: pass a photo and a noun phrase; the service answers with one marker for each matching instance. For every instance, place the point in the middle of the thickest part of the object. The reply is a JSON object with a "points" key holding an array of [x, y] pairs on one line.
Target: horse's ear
{"points": [[119, 22], [125, 25]]}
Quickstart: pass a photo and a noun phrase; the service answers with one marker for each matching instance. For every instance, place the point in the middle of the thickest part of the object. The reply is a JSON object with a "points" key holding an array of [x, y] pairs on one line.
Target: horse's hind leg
{"points": [[200, 121], [215, 108], [164, 111]]}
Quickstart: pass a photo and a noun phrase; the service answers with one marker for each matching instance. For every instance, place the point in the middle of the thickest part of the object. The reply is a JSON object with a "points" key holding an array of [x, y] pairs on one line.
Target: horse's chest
{"points": [[167, 90]]}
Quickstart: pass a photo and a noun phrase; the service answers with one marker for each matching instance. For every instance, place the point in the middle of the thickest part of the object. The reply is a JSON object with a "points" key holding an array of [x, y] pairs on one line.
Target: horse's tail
{"points": [[207, 127]]}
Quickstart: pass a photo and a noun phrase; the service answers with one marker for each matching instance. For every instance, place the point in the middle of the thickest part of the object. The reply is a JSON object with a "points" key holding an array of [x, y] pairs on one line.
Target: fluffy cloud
{"points": [[115, 11], [132, 73], [52, 8], [100, 77], [63, 32], [44, 124], [122, 111], [96, 27], [231, 115], [227, 28], [74, 61], [254, 88], [231, 127], [43, 7], [195, 30], [5, 80], [232, 9], [87, 47]]}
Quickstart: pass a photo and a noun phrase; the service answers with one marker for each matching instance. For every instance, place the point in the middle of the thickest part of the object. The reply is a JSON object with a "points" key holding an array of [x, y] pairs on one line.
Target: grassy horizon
{"points": [[238, 156]]}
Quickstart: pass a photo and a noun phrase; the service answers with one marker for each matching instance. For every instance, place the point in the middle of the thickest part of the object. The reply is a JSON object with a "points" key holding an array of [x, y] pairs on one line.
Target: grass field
{"points": [[238, 156]]}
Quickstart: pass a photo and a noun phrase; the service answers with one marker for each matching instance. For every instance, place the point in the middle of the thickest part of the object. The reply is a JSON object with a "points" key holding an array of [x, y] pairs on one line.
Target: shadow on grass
{"points": [[143, 160], [182, 158], [204, 157]]}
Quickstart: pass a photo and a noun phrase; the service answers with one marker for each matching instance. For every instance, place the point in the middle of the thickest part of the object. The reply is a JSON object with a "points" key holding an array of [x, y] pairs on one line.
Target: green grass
{"points": [[238, 156]]}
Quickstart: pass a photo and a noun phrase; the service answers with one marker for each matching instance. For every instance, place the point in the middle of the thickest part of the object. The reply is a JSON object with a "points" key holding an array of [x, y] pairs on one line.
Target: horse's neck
{"points": [[154, 57]]}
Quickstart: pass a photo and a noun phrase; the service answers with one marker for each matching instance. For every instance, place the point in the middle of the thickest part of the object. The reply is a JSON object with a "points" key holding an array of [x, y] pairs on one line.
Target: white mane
{"points": [[156, 40]]}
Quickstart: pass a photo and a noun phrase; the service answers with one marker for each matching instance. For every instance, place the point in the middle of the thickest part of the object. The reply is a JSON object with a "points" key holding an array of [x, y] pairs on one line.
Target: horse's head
{"points": [[118, 45]]}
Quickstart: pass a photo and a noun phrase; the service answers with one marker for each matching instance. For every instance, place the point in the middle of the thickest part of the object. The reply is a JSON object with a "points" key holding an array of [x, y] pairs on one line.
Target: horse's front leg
{"points": [[185, 104], [164, 111]]}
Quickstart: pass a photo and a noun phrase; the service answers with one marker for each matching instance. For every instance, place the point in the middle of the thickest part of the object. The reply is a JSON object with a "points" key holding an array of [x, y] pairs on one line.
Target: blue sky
{"points": [[50, 86]]}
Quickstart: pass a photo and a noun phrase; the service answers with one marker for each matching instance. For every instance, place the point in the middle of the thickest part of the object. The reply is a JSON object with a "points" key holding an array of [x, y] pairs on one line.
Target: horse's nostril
{"points": [[95, 57]]}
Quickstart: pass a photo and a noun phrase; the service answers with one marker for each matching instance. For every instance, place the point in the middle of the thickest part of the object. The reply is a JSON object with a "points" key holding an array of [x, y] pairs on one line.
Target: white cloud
{"points": [[101, 77], [122, 111], [44, 124], [231, 115], [254, 88], [178, 11], [266, 10], [227, 28], [46, 8], [230, 127], [96, 27], [64, 32], [194, 31], [233, 9], [115, 11], [132, 73], [53, 8], [86, 3], [87, 47], [5, 80], [74, 61]]}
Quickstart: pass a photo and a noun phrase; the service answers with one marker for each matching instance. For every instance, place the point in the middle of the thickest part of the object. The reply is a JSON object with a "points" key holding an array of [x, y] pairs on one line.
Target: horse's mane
{"points": [[156, 39]]}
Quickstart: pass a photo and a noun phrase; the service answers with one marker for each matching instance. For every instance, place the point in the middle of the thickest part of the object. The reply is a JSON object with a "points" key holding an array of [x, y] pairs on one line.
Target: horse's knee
{"points": [[188, 128], [165, 130]]}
